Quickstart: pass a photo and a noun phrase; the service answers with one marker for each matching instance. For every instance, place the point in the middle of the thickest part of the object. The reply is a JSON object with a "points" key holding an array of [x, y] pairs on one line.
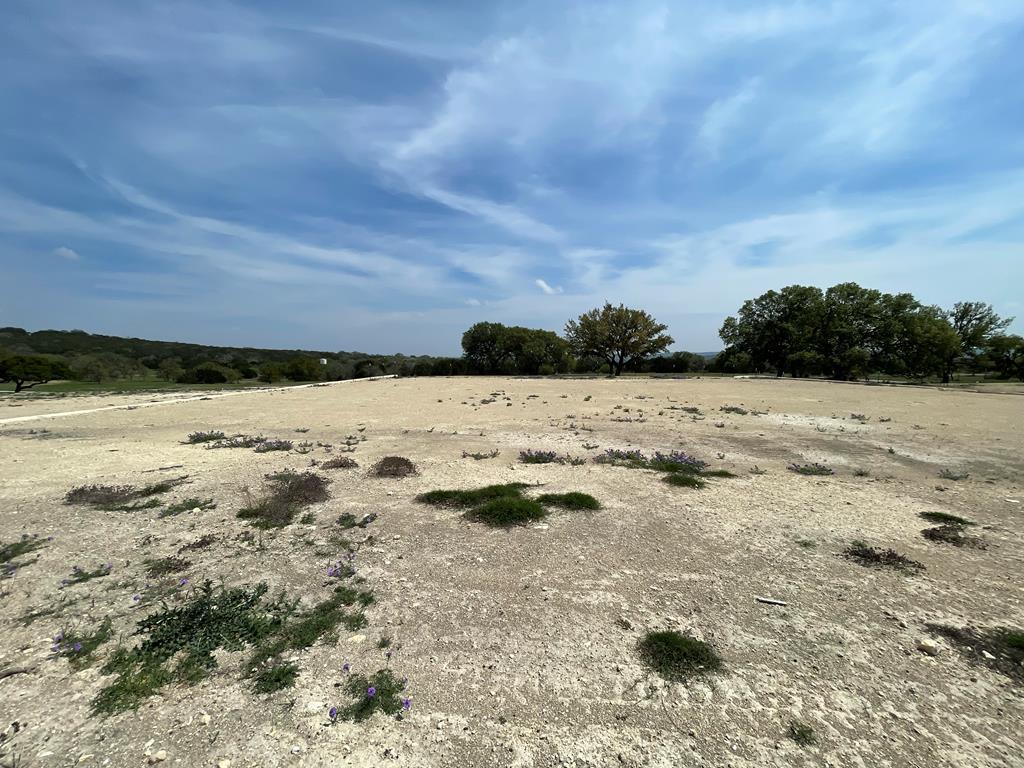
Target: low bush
{"points": [[1000, 648], [951, 533], [675, 656], [394, 466], [266, 446], [472, 498], [945, 518]]}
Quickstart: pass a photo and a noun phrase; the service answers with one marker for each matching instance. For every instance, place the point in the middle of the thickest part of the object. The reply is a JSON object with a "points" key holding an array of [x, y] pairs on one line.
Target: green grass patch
{"points": [[945, 518], [9, 553], [507, 511], [571, 500], [472, 498], [873, 557], [78, 648], [684, 479], [675, 656]]}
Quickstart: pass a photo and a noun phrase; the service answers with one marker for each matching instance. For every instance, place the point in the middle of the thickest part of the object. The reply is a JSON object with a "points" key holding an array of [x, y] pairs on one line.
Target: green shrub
{"points": [[675, 656], [471, 498], [684, 479], [572, 500], [508, 511]]}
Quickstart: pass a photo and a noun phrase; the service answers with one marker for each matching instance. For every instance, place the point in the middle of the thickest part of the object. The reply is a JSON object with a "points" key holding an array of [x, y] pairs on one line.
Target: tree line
{"points": [[848, 332], [843, 332]]}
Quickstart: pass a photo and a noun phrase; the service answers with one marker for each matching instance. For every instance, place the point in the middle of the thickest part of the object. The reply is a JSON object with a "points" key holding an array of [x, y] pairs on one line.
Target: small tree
{"points": [[28, 370], [271, 372], [618, 335]]}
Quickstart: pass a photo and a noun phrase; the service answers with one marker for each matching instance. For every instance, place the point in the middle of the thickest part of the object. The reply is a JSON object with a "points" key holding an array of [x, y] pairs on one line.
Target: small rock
{"points": [[225, 763], [988, 655], [197, 509], [157, 757], [928, 646], [205, 719]]}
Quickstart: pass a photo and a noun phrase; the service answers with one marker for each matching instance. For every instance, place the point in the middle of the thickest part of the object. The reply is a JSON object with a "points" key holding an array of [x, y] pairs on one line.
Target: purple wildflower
{"points": [[346, 667], [406, 703], [371, 692], [78, 646], [136, 598], [333, 713], [183, 582]]}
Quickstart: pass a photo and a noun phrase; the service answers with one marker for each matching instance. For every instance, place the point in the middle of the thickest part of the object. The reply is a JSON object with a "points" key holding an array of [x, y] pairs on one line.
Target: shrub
{"points": [[394, 466], [572, 500], [480, 456], [675, 656], [507, 511], [78, 648], [949, 474], [871, 557], [166, 566]]}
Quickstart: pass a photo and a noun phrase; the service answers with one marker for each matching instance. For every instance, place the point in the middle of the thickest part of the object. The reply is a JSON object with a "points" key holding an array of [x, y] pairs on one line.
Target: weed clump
{"points": [[190, 504], [267, 446], [287, 493], [340, 462], [79, 575], [873, 557], [215, 618], [481, 456], [950, 474], [945, 518], [953, 533], [530, 456], [275, 677], [734, 409], [378, 692], [238, 441], [9, 553], [684, 480], [195, 438], [394, 466], [801, 733], [165, 566], [675, 656], [78, 648], [122, 498], [811, 469]]}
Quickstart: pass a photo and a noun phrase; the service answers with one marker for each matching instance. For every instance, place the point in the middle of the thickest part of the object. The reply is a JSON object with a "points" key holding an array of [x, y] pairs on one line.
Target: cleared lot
{"points": [[520, 644]]}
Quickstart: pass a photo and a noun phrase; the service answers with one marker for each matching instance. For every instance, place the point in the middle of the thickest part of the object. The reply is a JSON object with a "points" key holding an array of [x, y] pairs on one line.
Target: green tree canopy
{"points": [[619, 335], [25, 371]]}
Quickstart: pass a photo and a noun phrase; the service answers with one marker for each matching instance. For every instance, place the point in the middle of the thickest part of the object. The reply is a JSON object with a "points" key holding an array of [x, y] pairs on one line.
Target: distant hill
{"points": [[72, 343]]}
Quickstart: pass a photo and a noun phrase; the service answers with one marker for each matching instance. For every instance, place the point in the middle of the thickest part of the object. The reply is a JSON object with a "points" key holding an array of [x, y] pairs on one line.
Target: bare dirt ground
{"points": [[520, 645]]}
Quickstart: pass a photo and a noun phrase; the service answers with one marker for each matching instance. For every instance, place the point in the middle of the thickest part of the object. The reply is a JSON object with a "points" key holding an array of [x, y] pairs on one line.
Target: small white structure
{"points": [[323, 361]]}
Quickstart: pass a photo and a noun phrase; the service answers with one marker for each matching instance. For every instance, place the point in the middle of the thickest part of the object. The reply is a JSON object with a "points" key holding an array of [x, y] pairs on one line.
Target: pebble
{"points": [[988, 655], [928, 646], [225, 763], [157, 757], [205, 719]]}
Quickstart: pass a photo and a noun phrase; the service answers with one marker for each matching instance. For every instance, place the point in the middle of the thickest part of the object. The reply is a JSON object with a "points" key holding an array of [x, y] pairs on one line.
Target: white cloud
{"points": [[66, 253], [547, 288], [472, 302]]}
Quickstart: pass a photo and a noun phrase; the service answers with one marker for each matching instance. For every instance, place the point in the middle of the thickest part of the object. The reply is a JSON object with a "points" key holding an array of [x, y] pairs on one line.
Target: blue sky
{"points": [[335, 176]]}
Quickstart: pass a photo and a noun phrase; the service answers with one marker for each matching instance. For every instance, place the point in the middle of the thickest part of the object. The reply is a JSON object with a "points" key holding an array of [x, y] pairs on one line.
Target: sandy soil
{"points": [[512, 641]]}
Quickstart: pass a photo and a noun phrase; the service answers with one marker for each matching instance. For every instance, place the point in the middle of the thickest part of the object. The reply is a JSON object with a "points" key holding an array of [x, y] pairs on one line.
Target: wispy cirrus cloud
{"points": [[361, 172]]}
